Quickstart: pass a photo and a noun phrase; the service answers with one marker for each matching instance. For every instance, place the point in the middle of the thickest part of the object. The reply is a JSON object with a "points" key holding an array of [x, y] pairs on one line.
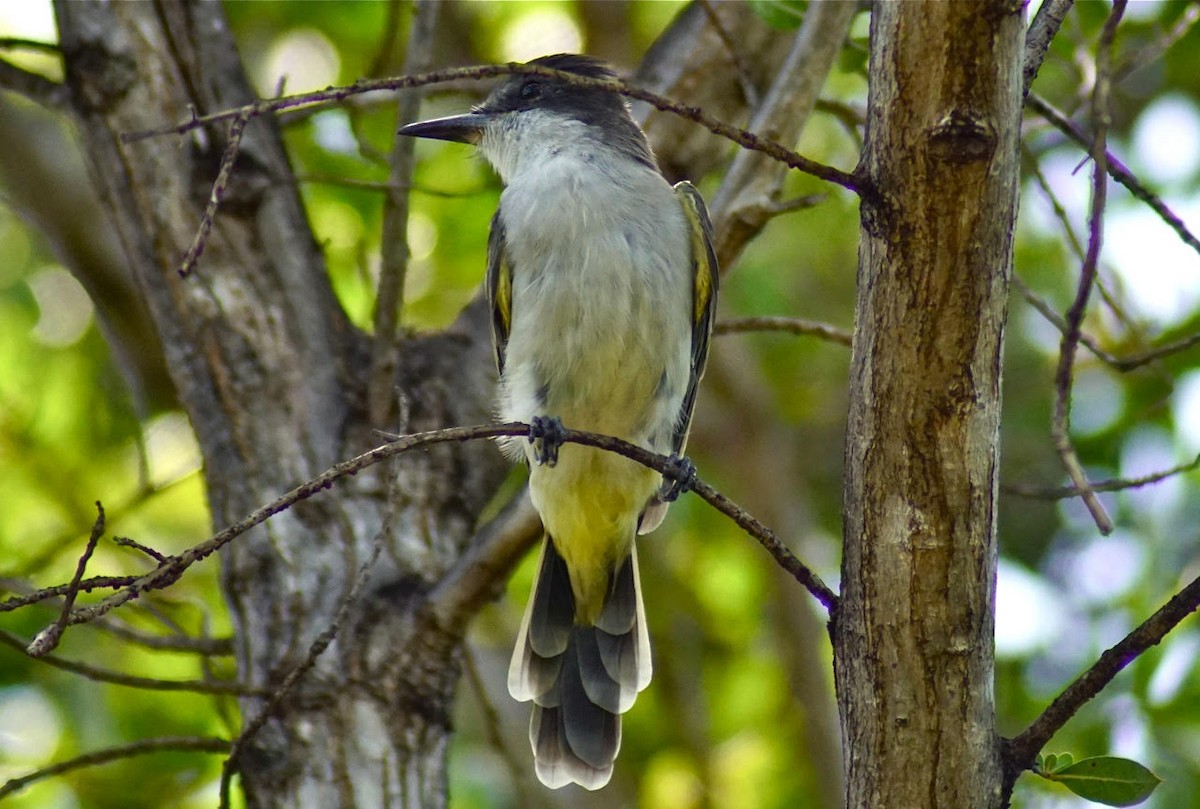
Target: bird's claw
{"points": [[679, 477], [547, 434]]}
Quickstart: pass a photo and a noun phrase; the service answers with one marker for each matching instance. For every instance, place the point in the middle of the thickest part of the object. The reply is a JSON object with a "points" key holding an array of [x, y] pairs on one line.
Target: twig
{"points": [[1045, 25], [47, 639], [126, 542], [518, 774], [315, 650], [336, 94], [745, 80], [1116, 169], [1112, 485], [199, 744], [1153, 51], [87, 585], [1061, 424], [132, 681], [1020, 751], [389, 294], [792, 325], [212, 647], [218, 191]]}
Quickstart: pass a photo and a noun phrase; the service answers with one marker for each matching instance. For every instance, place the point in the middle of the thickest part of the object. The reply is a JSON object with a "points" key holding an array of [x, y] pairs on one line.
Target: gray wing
{"points": [[705, 282], [498, 286]]}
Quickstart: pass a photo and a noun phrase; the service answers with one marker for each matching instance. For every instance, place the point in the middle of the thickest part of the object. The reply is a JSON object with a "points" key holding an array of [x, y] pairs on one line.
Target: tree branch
{"points": [[1045, 25], [1113, 485], [132, 681], [34, 86], [199, 744], [1020, 751], [336, 94], [1061, 425], [792, 325], [47, 639], [385, 351]]}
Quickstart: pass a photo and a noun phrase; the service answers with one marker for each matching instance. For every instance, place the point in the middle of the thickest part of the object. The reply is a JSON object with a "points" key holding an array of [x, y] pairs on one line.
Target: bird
{"points": [[602, 283]]}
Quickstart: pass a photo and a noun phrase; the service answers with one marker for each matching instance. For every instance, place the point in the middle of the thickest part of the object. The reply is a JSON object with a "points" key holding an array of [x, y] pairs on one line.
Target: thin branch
{"points": [[198, 744], [1061, 425], [166, 574], [1112, 485], [1154, 51], [188, 644], [132, 681], [1045, 25], [23, 44], [47, 593], [196, 248], [315, 650], [792, 325], [1020, 751], [518, 774], [47, 639], [389, 294], [1116, 169], [337, 94], [745, 80]]}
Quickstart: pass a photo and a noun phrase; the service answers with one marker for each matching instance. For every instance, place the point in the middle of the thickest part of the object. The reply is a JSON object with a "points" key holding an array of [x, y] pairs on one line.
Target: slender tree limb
{"points": [[228, 158], [315, 650], [1041, 33], [745, 80], [166, 574], [389, 295], [47, 593], [792, 325], [1020, 751], [1116, 169], [130, 680], [188, 644], [1154, 51], [1112, 485], [47, 639], [743, 205], [198, 744], [336, 94], [1060, 429]]}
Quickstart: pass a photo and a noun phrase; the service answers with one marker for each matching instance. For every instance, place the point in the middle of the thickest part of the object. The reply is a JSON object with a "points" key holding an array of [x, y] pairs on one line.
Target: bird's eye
{"points": [[531, 90]]}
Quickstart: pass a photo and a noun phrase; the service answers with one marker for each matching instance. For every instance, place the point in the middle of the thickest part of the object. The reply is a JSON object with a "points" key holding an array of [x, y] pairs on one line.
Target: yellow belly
{"points": [[590, 502]]}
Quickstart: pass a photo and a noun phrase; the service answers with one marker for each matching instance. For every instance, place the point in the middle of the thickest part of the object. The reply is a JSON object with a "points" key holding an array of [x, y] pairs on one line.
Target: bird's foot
{"points": [[679, 477], [547, 434]]}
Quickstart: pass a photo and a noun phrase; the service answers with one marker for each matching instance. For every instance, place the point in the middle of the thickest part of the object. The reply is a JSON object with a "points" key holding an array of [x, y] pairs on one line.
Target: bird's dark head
{"points": [[525, 110]]}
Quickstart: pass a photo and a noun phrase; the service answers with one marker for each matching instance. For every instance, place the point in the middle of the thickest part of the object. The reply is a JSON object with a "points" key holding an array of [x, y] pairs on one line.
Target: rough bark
{"points": [[913, 632], [272, 377]]}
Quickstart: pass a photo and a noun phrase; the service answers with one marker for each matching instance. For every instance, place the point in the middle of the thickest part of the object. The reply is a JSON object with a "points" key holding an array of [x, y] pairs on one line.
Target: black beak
{"points": [[460, 128]]}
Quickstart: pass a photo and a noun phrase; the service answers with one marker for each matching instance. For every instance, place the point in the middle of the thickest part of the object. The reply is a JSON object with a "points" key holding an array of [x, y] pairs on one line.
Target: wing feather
{"points": [[705, 282], [498, 287]]}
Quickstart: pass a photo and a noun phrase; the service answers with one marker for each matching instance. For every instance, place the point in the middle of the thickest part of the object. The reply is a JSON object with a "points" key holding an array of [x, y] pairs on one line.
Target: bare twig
{"points": [[792, 325], [1154, 51], [385, 352], [1116, 169], [126, 542], [315, 650], [47, 593], [745, 80], [47, 639], [198, 744], [1061, 425], [1113, 485], [218, 191], [1019, 752], [336, 94], [117, 678], [1045, 25]]}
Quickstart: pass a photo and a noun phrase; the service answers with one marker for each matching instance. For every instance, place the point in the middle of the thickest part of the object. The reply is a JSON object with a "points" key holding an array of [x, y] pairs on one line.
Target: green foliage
{"points": [[1102, 779], [784, 15]]}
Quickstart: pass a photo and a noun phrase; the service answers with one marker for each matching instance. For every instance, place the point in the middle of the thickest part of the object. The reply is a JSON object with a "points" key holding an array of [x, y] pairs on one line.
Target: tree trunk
{"points": [[913, 632], [272, 376]]}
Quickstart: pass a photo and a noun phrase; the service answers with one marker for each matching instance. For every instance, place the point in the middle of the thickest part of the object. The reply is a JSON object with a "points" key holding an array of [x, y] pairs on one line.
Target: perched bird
{"points": [[603, 284]]}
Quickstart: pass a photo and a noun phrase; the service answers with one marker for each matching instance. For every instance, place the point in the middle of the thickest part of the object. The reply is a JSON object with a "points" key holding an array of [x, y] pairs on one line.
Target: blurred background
{"points": [[741, 712]]}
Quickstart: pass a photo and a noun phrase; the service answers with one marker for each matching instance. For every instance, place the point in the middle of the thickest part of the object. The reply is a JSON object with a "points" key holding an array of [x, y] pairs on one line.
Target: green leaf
{"points": [[1105, 779], [781, 14]]}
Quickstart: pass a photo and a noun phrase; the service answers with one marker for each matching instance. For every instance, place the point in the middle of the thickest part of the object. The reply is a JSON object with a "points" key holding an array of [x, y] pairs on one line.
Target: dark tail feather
{"points": [[580, 678]]}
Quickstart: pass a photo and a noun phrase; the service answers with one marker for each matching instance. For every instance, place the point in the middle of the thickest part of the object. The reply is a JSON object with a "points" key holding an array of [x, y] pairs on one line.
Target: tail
{"points": [[580, 678]]}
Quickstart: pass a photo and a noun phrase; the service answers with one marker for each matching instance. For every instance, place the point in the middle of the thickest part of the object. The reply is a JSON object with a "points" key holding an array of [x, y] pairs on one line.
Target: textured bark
{"points": [[913, 633], [272, 377]]}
